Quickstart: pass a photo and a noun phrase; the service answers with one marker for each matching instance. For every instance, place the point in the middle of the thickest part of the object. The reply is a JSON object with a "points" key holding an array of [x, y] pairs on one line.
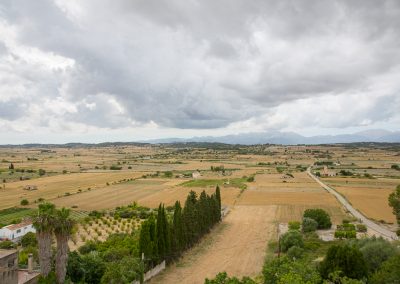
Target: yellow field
{"points": [[56, 186]]}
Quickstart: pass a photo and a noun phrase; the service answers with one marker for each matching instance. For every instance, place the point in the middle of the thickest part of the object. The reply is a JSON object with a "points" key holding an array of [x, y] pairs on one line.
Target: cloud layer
{"points": [[80, 66]]}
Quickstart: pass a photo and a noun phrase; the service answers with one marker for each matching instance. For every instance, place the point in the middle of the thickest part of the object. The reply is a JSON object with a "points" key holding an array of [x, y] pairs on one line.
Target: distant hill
{"points": [[290, 138]]}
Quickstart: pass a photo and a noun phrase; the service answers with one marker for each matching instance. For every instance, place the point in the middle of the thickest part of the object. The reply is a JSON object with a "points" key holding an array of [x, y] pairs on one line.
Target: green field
{"points": [[234, 182]]}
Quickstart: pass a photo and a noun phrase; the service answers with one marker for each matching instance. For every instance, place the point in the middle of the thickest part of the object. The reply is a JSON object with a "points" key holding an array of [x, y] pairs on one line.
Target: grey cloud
{"points": [[204, 64]]}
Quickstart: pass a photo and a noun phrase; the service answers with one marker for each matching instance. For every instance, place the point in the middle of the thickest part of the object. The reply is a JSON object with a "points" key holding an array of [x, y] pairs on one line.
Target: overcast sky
{"points": [[93, 71]]}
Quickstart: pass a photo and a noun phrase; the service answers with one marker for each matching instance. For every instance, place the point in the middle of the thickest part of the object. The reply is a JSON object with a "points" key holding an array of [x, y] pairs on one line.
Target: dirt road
{"points": [[236, 246], [381, 231]]}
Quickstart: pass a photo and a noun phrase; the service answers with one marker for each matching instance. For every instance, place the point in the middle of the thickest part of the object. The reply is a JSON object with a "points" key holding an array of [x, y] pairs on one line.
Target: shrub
{"points": [[294, 225], [41, 172], [290, 239], [295, 252], [115, 168], [285, 270], [222, 278], [345, 234], [24, 202], [319, 215], [250, 179], [309, 225], [361, 228], [7, 245], [29, 240]]}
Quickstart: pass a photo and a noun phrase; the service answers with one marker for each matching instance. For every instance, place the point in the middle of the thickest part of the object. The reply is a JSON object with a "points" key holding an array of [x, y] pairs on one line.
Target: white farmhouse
{"points": [[14, 232]]}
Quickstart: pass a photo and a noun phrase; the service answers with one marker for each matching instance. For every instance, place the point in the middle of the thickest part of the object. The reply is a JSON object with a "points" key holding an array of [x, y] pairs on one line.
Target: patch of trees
{"points": [[395, 167], [115, 168], [346, 173], [164, 238], [323, 163], [218, 169], [320, 216]]}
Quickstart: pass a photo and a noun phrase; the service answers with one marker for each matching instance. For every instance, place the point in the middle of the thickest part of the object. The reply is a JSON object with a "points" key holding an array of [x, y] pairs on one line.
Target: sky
{"points": [[128, 70]]}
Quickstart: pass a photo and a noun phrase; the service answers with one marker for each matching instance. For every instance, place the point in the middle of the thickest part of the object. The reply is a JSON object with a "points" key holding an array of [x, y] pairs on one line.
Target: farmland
{"points": [[261, 186]]}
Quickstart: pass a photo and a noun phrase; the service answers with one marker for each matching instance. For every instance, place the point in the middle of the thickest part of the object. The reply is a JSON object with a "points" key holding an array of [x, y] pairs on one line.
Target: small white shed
{"points": [[14, 232]]}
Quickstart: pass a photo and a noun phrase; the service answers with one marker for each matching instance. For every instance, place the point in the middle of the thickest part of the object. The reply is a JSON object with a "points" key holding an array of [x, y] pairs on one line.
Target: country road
{"points": [[381, 231]]}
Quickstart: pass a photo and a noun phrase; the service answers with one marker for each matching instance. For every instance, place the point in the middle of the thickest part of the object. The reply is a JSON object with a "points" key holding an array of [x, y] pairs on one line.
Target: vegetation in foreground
{"points": [[301, 257]]}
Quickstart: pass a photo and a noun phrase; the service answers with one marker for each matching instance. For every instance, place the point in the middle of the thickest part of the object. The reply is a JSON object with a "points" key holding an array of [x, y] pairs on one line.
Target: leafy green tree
{"points": [[394, 202], [295, 252], [123, 272], [388, 273], [75, 270], [93, 268], [24, 202], [376, 251], [347, 259], [319, 215], [290, 239]]}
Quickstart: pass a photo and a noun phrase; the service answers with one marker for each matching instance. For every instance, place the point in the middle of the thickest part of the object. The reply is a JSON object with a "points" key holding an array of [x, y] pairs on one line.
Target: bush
{"points": [[7, 245], [250, 179], [345, 234], [319, 215], [361, 228], [295, 252], [24, 202], [222, 278], [29, 240], [115, 168], [285, 270], [41, 172], [309, 225], [290, 239], [347, 259], [294, 225]]}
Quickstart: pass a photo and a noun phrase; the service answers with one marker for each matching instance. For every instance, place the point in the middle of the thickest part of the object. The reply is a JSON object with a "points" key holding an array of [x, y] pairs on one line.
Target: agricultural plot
{"points": [[56, 186], [369, 196], [237, 246]]}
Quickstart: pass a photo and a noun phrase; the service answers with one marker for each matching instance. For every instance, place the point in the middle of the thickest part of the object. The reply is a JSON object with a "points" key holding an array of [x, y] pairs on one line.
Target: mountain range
{"points": [[290, 138]]}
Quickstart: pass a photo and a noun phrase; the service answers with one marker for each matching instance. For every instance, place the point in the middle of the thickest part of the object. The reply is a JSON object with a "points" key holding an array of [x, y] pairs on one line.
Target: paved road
{"points": [[381, 231]]}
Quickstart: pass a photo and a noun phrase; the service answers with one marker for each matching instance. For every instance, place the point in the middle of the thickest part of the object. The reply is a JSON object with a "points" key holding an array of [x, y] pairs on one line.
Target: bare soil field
{"points": [[373, 203], [54, 186], [369, 196], [236, 246]]}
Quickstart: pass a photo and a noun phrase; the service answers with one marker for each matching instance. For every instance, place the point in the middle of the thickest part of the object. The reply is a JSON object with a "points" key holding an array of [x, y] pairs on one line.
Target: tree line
{"points": [[166, 237]]}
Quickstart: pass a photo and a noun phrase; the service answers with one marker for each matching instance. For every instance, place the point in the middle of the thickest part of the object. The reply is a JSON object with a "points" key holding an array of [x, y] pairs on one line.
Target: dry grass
{"points": [[237, 248]]}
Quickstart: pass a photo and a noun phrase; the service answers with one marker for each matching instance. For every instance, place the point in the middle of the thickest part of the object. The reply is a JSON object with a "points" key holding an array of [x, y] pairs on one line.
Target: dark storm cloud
{"points": [[197, 64]]}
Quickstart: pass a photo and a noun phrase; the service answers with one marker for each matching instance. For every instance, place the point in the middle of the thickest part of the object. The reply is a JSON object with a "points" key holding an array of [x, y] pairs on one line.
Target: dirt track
{"points": [[236, 246]]}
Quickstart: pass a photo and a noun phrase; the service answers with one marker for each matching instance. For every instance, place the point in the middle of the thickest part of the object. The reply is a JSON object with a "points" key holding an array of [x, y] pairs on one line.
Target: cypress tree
{"points": [[177, 229], [218, 197], [145, 242], [161, 240]]}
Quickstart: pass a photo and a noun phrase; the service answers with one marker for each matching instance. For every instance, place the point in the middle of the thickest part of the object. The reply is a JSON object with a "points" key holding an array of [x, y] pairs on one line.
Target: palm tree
{"points": [[63, 229], [43, 224]]}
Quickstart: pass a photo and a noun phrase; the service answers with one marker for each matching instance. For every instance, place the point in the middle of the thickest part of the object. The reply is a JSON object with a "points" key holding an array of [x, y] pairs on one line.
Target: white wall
{"points": [[5, 233]]}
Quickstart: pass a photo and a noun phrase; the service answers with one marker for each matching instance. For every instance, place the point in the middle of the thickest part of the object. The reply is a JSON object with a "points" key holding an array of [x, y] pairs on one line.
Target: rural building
{"points": [[15, 232], [30, 187], [327, 173], [196, 174], [9, 272]]}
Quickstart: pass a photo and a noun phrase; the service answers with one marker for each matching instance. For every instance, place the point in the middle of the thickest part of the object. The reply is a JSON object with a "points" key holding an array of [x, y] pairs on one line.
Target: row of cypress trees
{"points": [[165, 237]]}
